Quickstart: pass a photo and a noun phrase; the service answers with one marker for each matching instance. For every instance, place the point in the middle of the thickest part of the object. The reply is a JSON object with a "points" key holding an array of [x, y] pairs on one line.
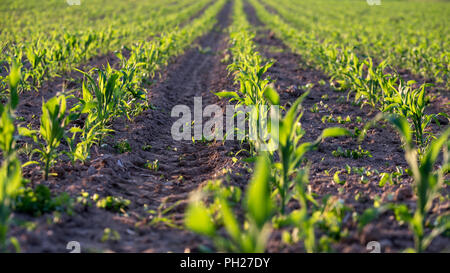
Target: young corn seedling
{"points": [[14, 80], [365, 80], [312, 216], [301, 218], [10, 182], [101, 99], [123, 146], [252, 236], [161, 216], [36, 56], [134, 99], [410, 103], [54, 121]]}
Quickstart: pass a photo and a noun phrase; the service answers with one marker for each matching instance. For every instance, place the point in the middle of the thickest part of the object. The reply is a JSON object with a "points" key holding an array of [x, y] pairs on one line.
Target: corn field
{"points": [[231, 126]]}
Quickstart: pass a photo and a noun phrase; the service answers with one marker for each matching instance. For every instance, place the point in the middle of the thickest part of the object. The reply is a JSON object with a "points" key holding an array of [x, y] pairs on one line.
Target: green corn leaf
{"points": [[432, 153], [402, 126], [337, 179], [272, 95], [6, 132], [14, 79], [335, 132], [259, 203], [228, 94]]}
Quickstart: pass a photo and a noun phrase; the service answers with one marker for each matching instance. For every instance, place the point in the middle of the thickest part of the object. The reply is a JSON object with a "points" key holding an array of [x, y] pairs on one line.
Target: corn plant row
{"points": [[279, 177], [248, 69], [93, 16], [42, 57]]}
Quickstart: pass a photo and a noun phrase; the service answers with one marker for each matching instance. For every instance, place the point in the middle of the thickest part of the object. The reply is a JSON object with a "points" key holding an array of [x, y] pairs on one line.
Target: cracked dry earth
{"points": [[184, 166]]}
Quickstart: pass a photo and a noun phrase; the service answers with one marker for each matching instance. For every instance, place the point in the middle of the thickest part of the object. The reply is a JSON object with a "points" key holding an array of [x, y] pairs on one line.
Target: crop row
{"points": [[281, 177]]}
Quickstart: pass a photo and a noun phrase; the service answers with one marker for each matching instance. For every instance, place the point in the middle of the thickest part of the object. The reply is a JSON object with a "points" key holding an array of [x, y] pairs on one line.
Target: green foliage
{"points": [[45, 48], [391, 178], [153, 166], [147, 148], [112, 203], [252, 236], [329, 38], [7, 129], [337, 119], [355, 154], [312, 217], [337, 179], [410, 103], [10, 169], [54, 121], [101, 98], [88, 136], [291, 151], [123, 146], [10, 182], [110, 235], [428, 180], [349, 61], [39, 201], [160, 215]]}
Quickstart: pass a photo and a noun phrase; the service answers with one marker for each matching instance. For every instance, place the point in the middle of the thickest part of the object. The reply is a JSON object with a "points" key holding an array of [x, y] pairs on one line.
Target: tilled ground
{"points": [[184, 165]]}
